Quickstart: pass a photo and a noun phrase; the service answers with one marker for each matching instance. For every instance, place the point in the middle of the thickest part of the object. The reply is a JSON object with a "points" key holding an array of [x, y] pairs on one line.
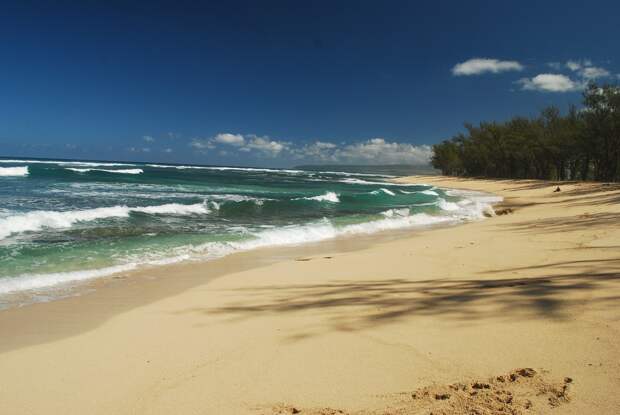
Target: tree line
{"points": [[583, 144]]}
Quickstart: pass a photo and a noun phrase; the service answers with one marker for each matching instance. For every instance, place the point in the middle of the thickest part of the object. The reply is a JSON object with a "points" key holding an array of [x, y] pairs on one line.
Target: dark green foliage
{"points": [[581, 145]]}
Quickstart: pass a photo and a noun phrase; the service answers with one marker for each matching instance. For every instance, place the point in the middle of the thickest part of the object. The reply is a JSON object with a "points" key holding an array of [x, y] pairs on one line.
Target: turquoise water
{"points": [[65, 221]]}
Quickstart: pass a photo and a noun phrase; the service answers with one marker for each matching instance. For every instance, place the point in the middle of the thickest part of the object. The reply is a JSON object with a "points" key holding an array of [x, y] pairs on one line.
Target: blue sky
{"points": [[279, 83]]}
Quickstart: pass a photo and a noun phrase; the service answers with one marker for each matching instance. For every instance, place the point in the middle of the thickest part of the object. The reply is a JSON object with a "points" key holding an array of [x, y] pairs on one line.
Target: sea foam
{"points": [[472, 207], [266, 170], [326, 197], [38, 281], [383, 190], [120, 171], [429, 192], [39, 219], [224, 168], [457, 206], [14, 171], [352, 180], [67, 162]]}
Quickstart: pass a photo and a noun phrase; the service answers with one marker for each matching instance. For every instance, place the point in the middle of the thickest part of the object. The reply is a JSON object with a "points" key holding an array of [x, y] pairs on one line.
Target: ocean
{"points": [[65, 221]]}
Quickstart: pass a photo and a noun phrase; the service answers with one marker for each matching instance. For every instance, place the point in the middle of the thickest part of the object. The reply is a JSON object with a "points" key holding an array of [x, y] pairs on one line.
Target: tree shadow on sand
{"points": [[352, 306], [603, 220], [595, 194], [557, 291]]}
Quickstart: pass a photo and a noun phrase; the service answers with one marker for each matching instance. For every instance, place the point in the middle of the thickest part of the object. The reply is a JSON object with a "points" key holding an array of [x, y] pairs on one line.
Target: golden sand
{"points": [[519, 313]]}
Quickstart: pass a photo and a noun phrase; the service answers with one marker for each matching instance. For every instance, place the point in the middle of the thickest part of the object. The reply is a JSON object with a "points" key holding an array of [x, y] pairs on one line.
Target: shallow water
{"points": [[68, 221]]}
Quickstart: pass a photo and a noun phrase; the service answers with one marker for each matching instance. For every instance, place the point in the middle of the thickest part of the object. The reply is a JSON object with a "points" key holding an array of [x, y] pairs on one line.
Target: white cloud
{"points": [[250, 143], [584, 72], [148, 138], [549, 82], [593, 72], [319, 150], [380, 151], [231, 139], [167, 150], [322, 145], [587, 70], [477, 66], [373, 151], [202, 144], [139, 150], [265, 145], [574, 65]]}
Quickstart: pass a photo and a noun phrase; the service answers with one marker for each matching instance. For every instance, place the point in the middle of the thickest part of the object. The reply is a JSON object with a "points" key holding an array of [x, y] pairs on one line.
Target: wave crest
{"points": [[383, 190], [39, 219], [66, 162], [121, 171], [429, 192], [14, 171], [326, 197]]}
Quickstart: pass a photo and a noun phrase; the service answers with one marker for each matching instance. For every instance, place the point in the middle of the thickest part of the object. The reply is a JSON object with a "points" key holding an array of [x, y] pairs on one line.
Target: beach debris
{"points": [[511, 393], [527, 372], [310, 259], [497, 212], [488, 211], [289, 410], [281, 409], [518, 392], [557, 189]]}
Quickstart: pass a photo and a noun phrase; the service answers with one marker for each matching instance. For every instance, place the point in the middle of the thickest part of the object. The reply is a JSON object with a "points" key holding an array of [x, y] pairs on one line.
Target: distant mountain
{"points": [[393, 169]]}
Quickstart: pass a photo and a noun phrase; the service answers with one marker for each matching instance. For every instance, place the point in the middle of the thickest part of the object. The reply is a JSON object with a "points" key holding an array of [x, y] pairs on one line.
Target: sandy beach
{"points": [[517, 313]]}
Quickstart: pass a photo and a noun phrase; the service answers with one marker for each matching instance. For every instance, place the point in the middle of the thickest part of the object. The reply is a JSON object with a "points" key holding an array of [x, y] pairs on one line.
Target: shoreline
{"points": [[144, 285], [79, 285], [151, 283], [377, 319]]}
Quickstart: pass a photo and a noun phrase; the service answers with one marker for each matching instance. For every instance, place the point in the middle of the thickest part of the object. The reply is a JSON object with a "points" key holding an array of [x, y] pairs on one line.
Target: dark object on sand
{"points": [[557, 189], [505, 211]]}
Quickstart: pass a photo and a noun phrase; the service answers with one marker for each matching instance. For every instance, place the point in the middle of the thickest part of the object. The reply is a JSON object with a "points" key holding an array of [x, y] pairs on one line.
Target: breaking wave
{"points": [[67, 163], [429, 192], [14, 171], [38, 281], [383, 190], [143, 215], [267, 170], [122, 171], [327, 197], [392, 219], [37, 220], [352, 180]]}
